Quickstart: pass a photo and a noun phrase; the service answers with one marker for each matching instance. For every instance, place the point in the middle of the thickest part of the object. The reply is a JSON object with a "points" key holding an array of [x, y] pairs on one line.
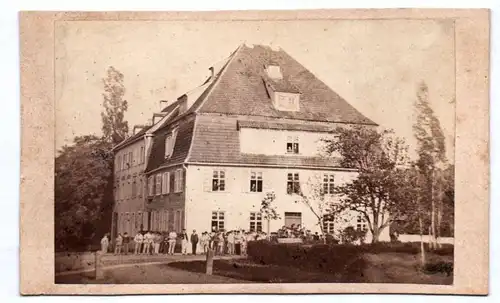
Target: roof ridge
{"points": [[219, 76]]}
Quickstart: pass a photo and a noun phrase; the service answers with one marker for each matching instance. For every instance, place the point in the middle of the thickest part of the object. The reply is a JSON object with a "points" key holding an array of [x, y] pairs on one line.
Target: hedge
{"points": [[336, 258]]}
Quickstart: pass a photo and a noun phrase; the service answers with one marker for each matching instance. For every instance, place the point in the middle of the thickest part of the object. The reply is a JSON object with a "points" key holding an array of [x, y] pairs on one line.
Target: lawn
{"points": [[386, 267]]}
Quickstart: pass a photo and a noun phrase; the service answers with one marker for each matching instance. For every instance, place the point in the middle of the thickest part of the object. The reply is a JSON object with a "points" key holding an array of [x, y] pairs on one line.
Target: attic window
{"points": [[286, 101], [274, 72]]}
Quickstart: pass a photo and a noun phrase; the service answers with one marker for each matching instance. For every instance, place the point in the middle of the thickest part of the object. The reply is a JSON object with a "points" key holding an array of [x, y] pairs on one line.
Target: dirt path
{"points": [[146, 274]]}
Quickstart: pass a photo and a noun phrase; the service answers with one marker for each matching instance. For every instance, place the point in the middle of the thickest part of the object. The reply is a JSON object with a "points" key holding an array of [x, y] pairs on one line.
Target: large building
{"points": [[208, 158]]}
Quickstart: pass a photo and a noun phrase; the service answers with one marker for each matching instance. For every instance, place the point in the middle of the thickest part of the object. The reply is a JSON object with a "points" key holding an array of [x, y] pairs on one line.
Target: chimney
{"points": [[140, 127], [158, 115], [212, 72], [162, 102], [183, 103]]}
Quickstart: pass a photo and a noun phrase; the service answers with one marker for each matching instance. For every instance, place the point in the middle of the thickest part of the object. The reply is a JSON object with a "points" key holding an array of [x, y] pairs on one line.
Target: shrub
{"points": [[318, 257], [351, 235], [439, 267]]}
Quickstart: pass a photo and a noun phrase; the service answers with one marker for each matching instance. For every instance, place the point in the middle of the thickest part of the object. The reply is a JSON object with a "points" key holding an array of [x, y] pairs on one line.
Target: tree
{"points": [[377, 157], [83, 172], [114, 127], [320, 204], [431, 158], [268, 210]]}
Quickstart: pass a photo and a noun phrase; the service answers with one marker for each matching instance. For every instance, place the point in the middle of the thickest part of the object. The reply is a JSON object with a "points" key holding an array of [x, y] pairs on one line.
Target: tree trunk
{"points": [[422, 248], [439, 208], [268, 229], [432, 232], [375, 234]]}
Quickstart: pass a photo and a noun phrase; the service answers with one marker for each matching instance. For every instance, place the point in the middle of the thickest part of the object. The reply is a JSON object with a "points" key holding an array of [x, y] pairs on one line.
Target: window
{"points": [[142, 155], [219, 180], [361, 223], [293, 184], [119, 163], [255, 221], [134, 188], [256, 182], [170, 143], [158, 184], [328, 224], [140, 188], [292, 145], [165, 189], [168, 146], [217, 220], [130, 158], [328, 184], [179, 181], [151, 186], [287, 101], [124, 162]]}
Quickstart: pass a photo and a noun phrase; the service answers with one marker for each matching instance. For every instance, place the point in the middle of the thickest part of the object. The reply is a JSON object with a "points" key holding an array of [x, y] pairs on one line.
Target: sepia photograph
{"points": [[253, 150], [265, 158]]}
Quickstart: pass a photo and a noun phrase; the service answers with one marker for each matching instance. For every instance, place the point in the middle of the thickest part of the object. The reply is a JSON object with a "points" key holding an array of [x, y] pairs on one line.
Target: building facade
{"points": [[255, 126]]}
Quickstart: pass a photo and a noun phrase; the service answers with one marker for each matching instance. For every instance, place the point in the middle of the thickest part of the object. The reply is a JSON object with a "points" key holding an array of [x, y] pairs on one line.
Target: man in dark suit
{"points": [[194, 242]]}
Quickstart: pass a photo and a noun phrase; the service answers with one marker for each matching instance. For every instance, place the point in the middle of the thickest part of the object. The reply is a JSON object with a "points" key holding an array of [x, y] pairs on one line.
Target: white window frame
{"points": [[134, 187], [292, 145], [157, 184], [178, 180], [165, 186], [219, 178], [142, 155], [328, 186], [256, 177], [218, 217], [293, 179], [168, 145], [328, 225], [125, 155], [255, 219], [151, 186], [361, 223]]}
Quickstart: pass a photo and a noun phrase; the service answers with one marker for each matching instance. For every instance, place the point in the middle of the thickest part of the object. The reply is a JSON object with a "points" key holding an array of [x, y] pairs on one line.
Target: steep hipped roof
{"points": [[241, 89]]}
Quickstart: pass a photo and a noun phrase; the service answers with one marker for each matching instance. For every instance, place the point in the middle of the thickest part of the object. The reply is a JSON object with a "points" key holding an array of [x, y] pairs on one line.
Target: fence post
{"points": [[210, 261], [99, 271]]}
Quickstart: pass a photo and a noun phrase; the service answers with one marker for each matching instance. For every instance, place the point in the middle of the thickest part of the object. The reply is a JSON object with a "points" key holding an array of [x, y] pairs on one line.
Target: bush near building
{"points": [[336, 258]]}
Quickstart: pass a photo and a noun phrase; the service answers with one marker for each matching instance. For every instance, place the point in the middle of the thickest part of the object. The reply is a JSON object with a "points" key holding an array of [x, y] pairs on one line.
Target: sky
{"points": [[376, 65]]}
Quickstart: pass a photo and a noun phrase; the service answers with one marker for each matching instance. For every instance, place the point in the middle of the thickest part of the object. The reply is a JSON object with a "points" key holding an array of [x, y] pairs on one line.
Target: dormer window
{"points": [[170, 143], [274, 72], [287, 101]]}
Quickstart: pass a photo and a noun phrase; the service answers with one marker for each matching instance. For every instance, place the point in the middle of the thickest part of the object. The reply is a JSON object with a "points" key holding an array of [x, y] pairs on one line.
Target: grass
{"points": [[387, 267]]}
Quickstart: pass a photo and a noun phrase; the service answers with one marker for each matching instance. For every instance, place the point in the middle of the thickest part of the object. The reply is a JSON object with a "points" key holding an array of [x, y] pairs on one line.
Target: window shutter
{"points": [[207, 180], [174, 137]]}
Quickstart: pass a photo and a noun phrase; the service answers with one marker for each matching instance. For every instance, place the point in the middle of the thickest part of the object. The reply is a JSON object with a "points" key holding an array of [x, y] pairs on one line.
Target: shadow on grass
{"points": [[264, 273]]}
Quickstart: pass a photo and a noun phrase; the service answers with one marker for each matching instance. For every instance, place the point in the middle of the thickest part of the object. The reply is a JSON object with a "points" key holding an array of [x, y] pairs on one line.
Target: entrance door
{"points": [[293, 218]]}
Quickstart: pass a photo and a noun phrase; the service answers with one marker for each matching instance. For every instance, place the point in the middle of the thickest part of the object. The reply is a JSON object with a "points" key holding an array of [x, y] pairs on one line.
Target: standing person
{"points": [[138, 243], [184, 241], [165, 243], [172, 239], [221, 243], [194, 241], [157, 240], [118, 245], [237, 242], [126, 241], [215, 241], [204, 242], [104, 244], [147, 243], [230, 242], [243, 245]]}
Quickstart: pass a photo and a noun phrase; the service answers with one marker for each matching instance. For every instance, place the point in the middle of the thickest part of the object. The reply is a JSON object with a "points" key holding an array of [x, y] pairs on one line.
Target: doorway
{"points": [[293, 218]]}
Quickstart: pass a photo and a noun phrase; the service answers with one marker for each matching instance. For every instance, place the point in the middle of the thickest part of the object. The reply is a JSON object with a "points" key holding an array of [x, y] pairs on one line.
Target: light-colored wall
{"points": [[273, 142], [129, 209], [237, 201]]}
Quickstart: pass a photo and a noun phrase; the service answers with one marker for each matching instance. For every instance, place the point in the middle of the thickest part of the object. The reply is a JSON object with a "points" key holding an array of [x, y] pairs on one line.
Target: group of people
{"points": [[155, 243], [298, 231]]}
